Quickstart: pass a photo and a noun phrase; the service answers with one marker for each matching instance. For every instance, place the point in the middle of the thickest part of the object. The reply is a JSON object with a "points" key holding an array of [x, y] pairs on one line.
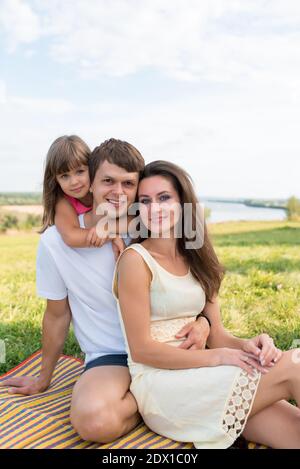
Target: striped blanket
{"points": [[42, 420]]}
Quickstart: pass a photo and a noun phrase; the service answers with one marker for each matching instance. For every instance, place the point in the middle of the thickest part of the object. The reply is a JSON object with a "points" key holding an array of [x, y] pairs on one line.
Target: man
{"points": [[76, 283]]}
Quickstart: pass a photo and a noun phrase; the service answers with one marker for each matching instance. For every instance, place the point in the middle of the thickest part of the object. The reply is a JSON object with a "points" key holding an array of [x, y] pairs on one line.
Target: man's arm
{"points": [[56, 324], [196, 333]]}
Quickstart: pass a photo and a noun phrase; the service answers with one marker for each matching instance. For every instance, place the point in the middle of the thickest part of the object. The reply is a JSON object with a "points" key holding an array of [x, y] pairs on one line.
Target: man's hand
{"points": [[118, 246], [262, 346], [196, 333], [26, 385]]}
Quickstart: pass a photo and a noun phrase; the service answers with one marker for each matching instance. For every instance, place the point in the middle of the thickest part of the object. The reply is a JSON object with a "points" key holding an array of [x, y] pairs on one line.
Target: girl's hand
{"points": [[236, 357], [93, 239], [263, 348]]}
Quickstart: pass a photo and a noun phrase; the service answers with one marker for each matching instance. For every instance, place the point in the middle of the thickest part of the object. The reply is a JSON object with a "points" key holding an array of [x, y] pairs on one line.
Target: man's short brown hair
{"points": [[116, 152]]}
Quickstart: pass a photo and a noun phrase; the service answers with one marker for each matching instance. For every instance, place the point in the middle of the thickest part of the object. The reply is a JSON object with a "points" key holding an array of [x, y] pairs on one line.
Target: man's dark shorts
{"points": [[107, 360]]}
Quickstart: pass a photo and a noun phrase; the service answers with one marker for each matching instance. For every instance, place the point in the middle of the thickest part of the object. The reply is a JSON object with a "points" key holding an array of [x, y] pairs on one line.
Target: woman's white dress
{"points": [[208, 406]]}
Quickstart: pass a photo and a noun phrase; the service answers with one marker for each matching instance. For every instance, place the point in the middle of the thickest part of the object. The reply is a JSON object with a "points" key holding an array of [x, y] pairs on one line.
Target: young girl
{"points": [[66, 194]]}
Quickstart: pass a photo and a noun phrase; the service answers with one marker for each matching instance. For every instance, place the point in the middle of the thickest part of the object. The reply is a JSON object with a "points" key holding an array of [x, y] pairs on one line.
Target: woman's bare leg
{"points": [[281, 382], [268, 415], [266, 426]]}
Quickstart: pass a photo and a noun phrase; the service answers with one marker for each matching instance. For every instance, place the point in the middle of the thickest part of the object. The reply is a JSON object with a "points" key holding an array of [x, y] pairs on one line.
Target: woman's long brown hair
{"points": [[203, 262], [66, 153]]}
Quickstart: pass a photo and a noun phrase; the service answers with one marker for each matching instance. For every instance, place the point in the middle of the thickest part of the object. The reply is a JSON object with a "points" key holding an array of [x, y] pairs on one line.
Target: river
{"points": [[221, 211]]}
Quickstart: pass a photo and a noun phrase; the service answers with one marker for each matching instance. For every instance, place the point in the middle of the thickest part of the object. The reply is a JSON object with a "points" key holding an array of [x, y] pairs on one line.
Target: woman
{"points": [[210, 396]]}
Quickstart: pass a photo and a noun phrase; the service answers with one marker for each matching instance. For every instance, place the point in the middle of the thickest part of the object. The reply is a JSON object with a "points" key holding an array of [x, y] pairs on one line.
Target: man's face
{"points": [[114, 188]]}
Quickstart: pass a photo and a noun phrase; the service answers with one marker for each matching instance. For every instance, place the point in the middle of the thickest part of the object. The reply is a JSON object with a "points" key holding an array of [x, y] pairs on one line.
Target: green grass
{"points": [[21, 311], [260, 292]]}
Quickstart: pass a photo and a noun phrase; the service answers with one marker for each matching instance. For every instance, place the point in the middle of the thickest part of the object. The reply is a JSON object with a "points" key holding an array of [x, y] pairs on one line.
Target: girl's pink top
{"points": [[79, 207]]}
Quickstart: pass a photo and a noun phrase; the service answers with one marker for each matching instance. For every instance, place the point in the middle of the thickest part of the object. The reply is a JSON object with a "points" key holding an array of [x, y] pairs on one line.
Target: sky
{"points": [[211, 85]]}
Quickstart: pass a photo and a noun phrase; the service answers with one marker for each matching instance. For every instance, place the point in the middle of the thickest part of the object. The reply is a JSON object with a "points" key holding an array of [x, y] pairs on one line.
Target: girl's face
{"points": [[75, 182], [159, 205]]}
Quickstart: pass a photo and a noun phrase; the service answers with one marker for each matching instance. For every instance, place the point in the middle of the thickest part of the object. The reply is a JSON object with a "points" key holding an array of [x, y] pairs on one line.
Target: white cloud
{"points": [[229, 146], [2, 92], [29, 53], [16, 104], [19, 23], [213, 40], [237, 135], [232, 144], [28, 124], [48, 105]]}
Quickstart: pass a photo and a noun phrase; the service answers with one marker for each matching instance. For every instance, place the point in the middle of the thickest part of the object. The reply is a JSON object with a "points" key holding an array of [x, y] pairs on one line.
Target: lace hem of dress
{"points": [[239, 403]]}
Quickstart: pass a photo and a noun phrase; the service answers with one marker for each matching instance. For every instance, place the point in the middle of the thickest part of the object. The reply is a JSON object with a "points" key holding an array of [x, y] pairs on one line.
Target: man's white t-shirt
{"points": [[85, 276]]}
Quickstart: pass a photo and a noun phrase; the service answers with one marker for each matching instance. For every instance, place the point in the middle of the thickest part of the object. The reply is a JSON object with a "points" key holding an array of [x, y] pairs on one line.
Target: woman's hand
{"points": [[263, 348], [236, 357], [196, 333]]}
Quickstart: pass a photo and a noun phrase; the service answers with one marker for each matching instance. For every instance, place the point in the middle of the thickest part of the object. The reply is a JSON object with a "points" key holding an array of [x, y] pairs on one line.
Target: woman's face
{"points": [[159, 205]]}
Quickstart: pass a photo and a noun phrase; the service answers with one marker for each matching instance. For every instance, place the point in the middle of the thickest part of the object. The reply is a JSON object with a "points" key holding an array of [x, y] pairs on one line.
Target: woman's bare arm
{"points": [[134, 280]]}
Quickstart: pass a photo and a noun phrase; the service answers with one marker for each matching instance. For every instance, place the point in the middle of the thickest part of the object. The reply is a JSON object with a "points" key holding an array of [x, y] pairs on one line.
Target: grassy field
{"points": [[260, 293]]}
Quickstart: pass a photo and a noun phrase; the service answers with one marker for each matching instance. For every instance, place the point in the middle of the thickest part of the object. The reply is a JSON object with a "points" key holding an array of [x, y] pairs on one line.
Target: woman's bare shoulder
{"points": [[132, 261], [130, 257]]}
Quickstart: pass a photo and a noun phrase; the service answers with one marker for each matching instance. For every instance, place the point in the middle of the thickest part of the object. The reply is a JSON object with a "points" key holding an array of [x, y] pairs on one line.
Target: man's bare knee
{"points": [[99, 423]]}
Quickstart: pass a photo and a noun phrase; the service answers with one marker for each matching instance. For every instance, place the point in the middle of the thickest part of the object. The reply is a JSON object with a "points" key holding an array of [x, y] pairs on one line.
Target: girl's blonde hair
{"points": [[66, 153]]}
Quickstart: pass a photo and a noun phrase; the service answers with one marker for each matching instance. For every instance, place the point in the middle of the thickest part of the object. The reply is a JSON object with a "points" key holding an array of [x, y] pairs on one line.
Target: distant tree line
{"points": [[293, 208], [19, 221], [20, 198]]}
